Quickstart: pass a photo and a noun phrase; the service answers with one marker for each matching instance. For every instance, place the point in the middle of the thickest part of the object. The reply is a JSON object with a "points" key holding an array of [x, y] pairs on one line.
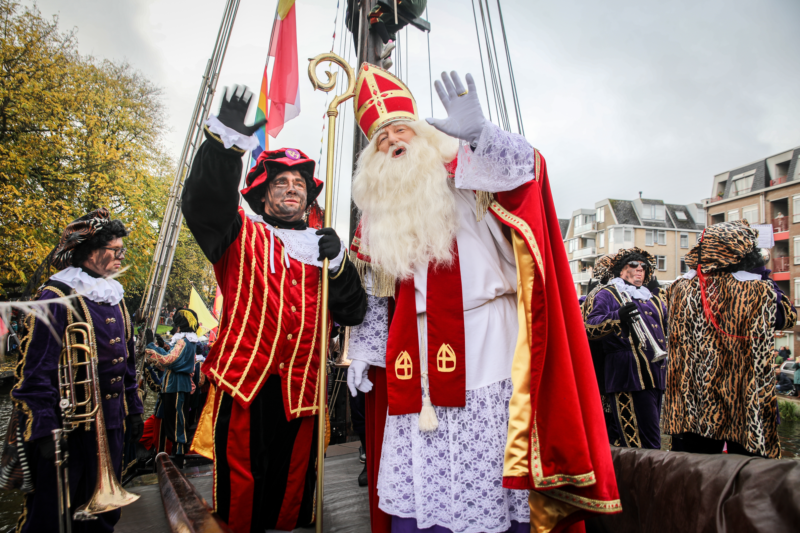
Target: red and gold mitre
{"points": [[381, 99]]}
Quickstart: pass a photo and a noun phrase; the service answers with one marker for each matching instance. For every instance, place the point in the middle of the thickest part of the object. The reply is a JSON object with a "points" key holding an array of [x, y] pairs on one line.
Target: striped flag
{"points": [[284, 91]]}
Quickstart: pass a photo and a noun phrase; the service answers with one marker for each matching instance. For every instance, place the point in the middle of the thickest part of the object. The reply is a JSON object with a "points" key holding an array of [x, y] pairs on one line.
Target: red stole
{"points": [[447, 375]]}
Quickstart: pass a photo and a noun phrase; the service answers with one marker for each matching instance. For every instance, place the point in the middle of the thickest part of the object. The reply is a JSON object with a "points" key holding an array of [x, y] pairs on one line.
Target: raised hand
{"points": [[465, 118], [233, 111]]}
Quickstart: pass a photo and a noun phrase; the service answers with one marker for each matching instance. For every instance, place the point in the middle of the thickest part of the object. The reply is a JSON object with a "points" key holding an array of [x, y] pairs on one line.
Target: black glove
{"points": [[627, 313], [329, 244], [47, 448], [136, 424], [148, 336], [233, 112], [160, 342]]}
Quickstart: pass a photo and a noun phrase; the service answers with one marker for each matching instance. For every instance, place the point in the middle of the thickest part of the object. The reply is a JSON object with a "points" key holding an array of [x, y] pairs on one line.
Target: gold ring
{"points": [[465, 92]]}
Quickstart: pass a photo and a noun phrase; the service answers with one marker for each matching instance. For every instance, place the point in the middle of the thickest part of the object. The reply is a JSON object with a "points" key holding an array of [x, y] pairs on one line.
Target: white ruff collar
{"points": [[98, 290], [741, 275], [190, 336], [300, 245], [640, 293]]}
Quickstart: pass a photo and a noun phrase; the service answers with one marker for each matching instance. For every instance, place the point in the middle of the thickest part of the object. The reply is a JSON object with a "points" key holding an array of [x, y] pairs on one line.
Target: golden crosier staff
{"points": [[322, 396]]}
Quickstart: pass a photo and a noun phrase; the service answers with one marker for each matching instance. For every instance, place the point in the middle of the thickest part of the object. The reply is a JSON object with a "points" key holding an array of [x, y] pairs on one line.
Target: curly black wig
{"points": [[616, 268], [112, 230], [751, 260]]}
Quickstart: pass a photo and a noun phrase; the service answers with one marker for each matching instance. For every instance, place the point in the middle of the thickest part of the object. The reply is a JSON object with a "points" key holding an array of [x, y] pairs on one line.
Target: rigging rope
{"points": [[480, 54], [515, 96]]}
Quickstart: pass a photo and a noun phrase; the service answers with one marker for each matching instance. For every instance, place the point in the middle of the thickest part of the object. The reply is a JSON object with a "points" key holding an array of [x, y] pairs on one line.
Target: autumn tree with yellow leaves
{"points": [[77, 133]]}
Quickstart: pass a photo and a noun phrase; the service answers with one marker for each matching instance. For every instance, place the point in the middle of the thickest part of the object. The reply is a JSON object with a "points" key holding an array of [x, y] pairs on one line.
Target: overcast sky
{"points": [[618, 96]]}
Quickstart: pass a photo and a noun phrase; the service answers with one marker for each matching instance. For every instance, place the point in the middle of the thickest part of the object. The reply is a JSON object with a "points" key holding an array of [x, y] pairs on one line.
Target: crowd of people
{"points": [[717, 323], [485, 398]]}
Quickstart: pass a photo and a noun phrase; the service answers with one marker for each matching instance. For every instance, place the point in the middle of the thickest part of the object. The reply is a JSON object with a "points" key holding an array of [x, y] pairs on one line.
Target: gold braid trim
{"points": [[216, 138], [383, 284], [341, 267]]}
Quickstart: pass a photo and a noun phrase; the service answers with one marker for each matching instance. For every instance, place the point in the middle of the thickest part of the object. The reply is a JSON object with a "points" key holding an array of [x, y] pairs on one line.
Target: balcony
{"points": [[581, 277], [780, 264], [584, 252], [778, 181], [585, 228], [780, 224]]}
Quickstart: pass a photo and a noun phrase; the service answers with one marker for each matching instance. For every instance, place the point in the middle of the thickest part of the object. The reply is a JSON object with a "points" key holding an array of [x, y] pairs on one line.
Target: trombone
{"points": [[643, 333], [80, 354]]}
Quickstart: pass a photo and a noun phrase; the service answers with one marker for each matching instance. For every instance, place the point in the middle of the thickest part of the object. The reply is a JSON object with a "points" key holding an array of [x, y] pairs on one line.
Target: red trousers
{"points": [[377, 408]]}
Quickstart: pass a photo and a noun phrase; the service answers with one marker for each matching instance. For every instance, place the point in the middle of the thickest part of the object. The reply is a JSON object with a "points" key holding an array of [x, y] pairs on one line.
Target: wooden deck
{"points": [[346, 504]]}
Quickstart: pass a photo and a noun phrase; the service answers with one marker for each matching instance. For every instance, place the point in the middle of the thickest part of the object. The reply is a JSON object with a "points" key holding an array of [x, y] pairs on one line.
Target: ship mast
{"points": [[173, 217]]}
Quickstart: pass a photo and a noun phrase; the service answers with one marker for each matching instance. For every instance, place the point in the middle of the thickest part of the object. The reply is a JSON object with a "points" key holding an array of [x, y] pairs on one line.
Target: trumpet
{"points": [[643, 333], [79, 355]]}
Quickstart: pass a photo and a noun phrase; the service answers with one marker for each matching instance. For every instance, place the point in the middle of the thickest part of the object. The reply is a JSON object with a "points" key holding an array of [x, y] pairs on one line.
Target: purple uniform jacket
{"points": [[37, 388], [627, 369]]}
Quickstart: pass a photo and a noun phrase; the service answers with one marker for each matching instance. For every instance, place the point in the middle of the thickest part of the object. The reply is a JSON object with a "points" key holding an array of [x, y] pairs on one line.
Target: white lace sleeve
{"points": [[229, 136], [368, 340], [502, 161]]}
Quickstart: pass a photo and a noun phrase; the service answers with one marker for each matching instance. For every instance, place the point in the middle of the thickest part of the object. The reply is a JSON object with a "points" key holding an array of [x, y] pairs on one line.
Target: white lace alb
{"points": [[98, 290], [300, 245], [502, 161], [368, 339], [453, 477], [229, 136]]}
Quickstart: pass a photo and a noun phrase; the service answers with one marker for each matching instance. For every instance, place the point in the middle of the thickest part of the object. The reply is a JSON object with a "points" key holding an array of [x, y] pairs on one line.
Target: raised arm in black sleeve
{"points": [[210, 199], [347, 299]]}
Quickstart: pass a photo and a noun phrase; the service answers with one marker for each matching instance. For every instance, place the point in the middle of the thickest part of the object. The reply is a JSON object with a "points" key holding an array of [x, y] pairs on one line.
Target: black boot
{"points": [[362, 477]]}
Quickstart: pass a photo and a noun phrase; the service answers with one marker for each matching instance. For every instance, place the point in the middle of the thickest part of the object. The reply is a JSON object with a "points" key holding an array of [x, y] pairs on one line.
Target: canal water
{"points": [[11, 501]]}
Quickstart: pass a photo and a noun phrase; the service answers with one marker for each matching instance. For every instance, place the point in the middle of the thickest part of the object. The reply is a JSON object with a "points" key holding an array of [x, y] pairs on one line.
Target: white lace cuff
{"points": [[229, 136], [368, 340], [502, 161]]}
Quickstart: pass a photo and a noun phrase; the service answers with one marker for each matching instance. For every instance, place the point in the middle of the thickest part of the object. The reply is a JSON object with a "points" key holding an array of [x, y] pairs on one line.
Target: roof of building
{"points": [[624, 212], [687, 223], [761, 178], [564, 223]]}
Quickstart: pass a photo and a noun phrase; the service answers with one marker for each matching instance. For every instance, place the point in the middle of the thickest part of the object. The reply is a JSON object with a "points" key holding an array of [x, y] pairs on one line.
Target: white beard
{"points": [[408, 210]]}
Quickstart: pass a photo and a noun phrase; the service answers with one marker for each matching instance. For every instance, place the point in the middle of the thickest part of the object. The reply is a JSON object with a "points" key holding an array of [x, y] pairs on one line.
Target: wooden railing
{"points": [[780, 264], [780, 224]]}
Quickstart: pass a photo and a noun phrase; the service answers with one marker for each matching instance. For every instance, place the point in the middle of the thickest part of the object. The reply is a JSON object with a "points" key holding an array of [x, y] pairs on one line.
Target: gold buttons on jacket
{"points": [[119, 340], [294, 309], [115, 395], [289, 336], [280, 366], [111, 320], [112, 341], [294, 282], [108, 396]]}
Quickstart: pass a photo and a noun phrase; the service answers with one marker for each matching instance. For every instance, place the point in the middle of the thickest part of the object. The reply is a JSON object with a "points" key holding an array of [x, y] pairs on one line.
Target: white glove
{"points": [[465, 118], [357, 377]]}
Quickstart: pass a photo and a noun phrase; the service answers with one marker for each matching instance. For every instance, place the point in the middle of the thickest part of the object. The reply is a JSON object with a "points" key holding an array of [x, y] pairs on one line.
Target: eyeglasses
{"points": [[119, 253], [637, 264]]}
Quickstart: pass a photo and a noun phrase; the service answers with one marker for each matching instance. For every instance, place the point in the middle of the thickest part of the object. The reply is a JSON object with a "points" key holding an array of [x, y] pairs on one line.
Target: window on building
{"points": [[684, 240], [654, 212], [628, 235], [601, 214], [750, 214], [743, 185], [661, 237], [684, 268], [575, 266], [796, 251], [661, 262], [601, 239], [796, 209], [796, 291], [733, 215], [573, 245], [680, 215], [648, 237]]}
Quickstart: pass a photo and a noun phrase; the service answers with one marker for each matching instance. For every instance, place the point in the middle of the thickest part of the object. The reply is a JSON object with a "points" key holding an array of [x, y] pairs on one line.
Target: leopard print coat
{"points": [[718, 386]]}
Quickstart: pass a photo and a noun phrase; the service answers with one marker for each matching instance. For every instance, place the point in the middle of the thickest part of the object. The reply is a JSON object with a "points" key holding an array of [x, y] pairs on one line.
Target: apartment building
{"points": [[667, 231], [767, 191]]}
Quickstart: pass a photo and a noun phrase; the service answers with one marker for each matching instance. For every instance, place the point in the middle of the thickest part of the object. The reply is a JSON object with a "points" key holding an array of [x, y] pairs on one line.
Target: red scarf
{"points": [[447, 375]]}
